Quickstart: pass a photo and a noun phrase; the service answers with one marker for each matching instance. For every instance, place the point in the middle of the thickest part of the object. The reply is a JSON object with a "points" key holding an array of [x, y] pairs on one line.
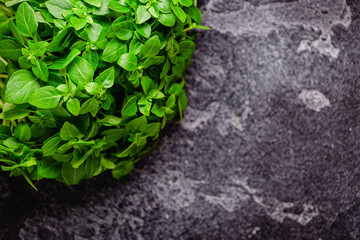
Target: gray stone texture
{"points": [[269, 147]]}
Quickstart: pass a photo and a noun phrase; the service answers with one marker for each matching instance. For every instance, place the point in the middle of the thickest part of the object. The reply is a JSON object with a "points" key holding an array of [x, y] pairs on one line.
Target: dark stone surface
{"points": [[269, 148]]}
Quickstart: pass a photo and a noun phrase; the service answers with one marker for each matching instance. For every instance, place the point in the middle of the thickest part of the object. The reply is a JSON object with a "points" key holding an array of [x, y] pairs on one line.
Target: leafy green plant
{"points": [[86, 86]]}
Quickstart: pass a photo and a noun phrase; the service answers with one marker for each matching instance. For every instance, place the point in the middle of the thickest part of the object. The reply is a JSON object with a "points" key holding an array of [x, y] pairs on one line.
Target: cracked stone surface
{"points": [[268, 149]]}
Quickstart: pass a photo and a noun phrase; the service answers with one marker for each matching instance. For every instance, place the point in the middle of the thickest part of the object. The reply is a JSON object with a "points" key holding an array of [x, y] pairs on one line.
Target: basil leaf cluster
{"points": [[86, 86]]}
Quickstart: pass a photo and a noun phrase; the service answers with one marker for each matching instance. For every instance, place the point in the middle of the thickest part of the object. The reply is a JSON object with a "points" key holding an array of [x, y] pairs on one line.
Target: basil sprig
{"points": [[86, 86]]}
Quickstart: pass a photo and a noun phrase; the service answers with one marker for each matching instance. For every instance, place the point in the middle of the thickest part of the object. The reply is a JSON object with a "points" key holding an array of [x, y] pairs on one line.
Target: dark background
{"points": [[268, 149]]}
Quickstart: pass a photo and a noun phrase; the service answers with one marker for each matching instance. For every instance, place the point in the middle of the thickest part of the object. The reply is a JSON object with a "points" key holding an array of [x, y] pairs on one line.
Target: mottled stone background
{"points": [[269, 148]]}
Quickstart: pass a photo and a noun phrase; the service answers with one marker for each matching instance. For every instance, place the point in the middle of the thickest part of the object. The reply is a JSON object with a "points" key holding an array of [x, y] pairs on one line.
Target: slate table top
{"points": [[269, 147]]}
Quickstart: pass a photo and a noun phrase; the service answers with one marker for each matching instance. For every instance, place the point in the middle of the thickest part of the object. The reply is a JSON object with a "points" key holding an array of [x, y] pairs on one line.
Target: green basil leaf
{"points": [[152, 129], [4, 26], [37, 130], [158, 110], [164, 6], [45, 98], [122, 169], [2, 67], [80, 70], [69, 131], [186, 48], [113, 135], [147, 84], [65, 147], [10, 49], [50, 147], [124, 30], [91, 166], [73, 105], [94, 31], [194, 13], [135, 46], [171, 101], [144, 29], [13, 2], [113, 50], [142, 14], [15, 32], [167, 19], [38, 49], [11, 142], [179, 66], [96, 3], [103, 10], [186, 3], [90, 106], [5, 132], [40, 70], [130, 107], [49, 169], [64, 62], [92, 88], [24, 63], [57, 43], [56, 7], [55, 79], [179, 13], [182, 101], [107, 104], [22, 132], [26, 20], [61, 157], [155, 94], [145, 109], [151, 48], [118, 7], [128, 61], [20, 87], [71, 175], [165, 70], [78, 23], [136, 125], [75, 163], [92, 57], [106, 78], [154, 11], [18, 112], [110, 120]]}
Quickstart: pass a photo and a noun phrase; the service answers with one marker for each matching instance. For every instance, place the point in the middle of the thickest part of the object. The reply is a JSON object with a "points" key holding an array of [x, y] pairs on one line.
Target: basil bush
{"points": [[86, 86]]}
